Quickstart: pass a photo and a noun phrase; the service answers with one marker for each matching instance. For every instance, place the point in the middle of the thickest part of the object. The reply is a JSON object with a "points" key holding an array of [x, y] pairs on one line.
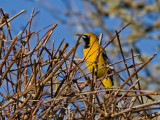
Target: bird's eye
{"points": [[85, 37]]}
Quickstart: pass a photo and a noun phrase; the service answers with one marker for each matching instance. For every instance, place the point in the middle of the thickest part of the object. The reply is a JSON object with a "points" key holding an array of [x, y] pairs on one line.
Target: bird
{"points": [[91, 43]]}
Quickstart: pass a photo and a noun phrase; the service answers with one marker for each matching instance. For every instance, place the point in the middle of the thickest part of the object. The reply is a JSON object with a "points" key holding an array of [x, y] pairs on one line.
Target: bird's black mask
{"points": [[86, 41]]}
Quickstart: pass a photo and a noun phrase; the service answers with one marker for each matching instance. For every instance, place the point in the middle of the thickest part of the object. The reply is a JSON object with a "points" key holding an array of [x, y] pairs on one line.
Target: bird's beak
{"points": [[79, 34]]}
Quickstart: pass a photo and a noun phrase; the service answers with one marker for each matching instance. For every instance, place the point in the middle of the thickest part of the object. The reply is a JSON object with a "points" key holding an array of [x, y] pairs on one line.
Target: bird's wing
{"points": [[104, 54]]}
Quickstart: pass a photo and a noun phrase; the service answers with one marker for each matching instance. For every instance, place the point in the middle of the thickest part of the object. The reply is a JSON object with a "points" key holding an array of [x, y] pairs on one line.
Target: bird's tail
{"points": [[107, 82]]}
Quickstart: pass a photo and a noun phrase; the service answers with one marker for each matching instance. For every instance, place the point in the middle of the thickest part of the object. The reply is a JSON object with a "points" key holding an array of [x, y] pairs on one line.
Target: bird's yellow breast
{"points": [[90, 55]]}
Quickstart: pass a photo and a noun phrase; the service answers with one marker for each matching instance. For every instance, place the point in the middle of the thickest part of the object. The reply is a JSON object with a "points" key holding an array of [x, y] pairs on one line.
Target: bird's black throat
{"points": [[86, 41]]}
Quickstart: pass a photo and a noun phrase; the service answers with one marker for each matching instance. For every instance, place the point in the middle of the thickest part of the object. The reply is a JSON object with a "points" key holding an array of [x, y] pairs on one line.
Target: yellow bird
{"points": [[90, 53]]}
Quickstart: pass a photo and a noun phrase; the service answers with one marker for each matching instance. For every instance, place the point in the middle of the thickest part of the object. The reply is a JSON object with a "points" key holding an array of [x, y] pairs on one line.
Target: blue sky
{"points": [[43, 19], [48, 15]]}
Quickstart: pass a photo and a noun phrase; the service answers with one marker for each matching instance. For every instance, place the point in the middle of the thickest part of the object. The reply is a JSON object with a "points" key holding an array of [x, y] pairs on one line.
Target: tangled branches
{"points": [[41, 82]]}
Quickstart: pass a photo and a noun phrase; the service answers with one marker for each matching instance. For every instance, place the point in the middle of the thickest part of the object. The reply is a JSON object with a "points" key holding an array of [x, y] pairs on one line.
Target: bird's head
{"points": [[89, 39]]}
